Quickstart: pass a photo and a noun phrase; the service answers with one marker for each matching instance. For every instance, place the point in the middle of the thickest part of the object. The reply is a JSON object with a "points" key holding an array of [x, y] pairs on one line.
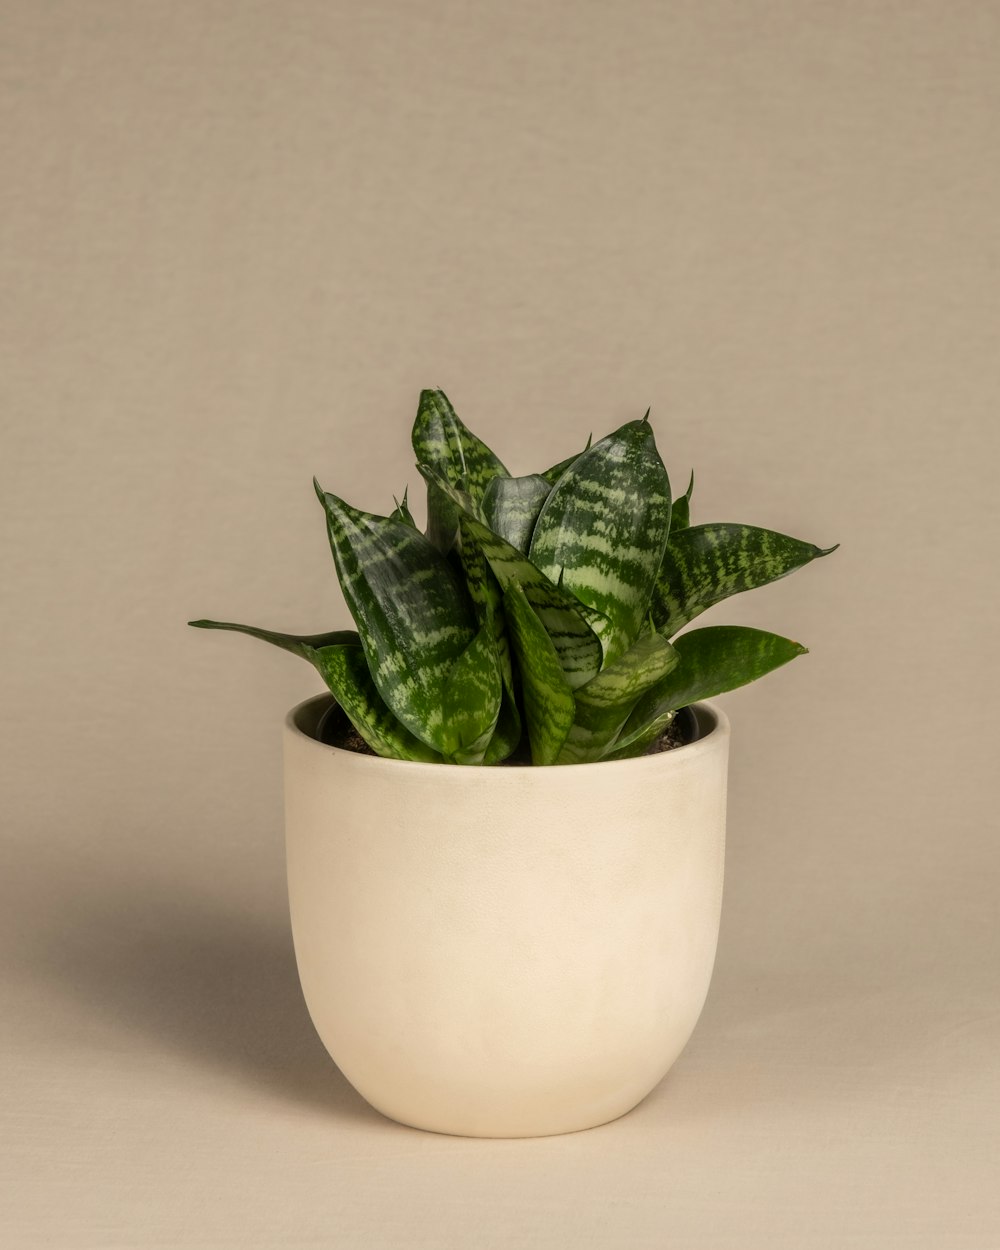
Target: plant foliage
{"points": [[538, 616]]}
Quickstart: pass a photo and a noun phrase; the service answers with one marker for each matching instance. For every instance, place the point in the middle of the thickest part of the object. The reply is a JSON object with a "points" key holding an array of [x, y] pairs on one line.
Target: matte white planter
{"points": [[504, 952]]}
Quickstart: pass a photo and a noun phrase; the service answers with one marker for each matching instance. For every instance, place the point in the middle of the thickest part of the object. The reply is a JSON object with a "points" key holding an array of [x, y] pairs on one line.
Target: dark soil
{"points": [[337, 731]]}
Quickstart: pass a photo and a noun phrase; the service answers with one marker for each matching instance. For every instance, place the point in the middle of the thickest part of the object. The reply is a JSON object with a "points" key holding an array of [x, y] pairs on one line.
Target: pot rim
{"points": [[712, 721]]}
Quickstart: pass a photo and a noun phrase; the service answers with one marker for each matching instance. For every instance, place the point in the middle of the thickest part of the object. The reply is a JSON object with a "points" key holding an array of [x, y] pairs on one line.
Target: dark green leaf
{"points": [[345, 671], [402, 511], [603, 529], [604, 704], [548, 700], [511, 506], [340, 661], [507, 735], [412, 613], [298, 644], [464, 461], [712, 661], [680, 509], [707, 563], [570, 624], [472, 700]]}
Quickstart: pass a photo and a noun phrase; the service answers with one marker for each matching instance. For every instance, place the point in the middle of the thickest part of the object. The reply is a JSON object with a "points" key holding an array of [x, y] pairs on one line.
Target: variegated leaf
{"points": [[548, 700], [680, 509], [602, 531], [707, 563], [441, 440], [511, 506], [412, 613], [472, 700], [712, 661], [571, 625], [604, 704], [507, 735], [340, 661], [486, 595], [345, 671]]}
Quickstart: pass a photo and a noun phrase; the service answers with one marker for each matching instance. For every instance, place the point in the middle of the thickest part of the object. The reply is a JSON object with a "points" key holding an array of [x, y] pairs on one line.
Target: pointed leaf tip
{"points": [[646, 417], [825, 551]]}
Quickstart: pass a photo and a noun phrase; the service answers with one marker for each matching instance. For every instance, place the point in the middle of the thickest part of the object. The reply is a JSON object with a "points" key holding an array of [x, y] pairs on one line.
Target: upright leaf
{"points": [[442, 441], [712, 661], [705, 564], [570, 624], [511, 506], [602, 531], [680, 509], [402, 511], [548, 700], [472, 700], [604, 704], [412, 613]]}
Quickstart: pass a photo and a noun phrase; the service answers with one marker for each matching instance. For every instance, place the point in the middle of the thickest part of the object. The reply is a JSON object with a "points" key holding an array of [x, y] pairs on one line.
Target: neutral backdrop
{"points": [[237, 239]]}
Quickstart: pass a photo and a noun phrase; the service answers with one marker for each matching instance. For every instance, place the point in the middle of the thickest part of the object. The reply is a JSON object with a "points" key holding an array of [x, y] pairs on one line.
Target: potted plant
{"points": [[505, 823]]}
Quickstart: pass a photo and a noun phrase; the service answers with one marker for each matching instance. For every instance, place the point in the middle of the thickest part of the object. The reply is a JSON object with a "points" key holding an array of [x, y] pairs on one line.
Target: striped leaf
{"points": [[412, 613], [511, 506], [548, 700], [555, 473], [602, 531], [507, 735], [472, 700], [680, 509], [345, 671], [340, 661], [712, 661], [604, 704], [464, 461], [707, 563], [487, 597], [571, 625]]}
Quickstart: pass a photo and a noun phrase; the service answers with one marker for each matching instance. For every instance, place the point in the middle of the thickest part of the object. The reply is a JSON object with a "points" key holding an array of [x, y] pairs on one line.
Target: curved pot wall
{"points": [[510, 951]]}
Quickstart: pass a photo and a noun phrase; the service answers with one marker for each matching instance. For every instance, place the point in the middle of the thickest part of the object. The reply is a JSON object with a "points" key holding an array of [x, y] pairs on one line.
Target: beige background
{"points": [[238, 238]]}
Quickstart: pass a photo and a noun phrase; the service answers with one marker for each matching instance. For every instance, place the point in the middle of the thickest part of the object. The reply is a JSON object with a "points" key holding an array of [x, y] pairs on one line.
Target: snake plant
{"points": [[538, 615]]}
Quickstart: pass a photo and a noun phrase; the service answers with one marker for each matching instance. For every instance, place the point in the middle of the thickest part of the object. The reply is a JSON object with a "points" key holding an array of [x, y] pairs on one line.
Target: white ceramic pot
{"points": [[511, 951]]}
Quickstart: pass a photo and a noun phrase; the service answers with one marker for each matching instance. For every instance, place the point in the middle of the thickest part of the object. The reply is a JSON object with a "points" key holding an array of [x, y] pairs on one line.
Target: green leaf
{"points": [[555, 473], [680, 509], [345, 671], [402, 511], [442, 441], [548, 700], [411, 610], [570, 624], [507, 735], [712, 661], [604, 704], [511, 506], [340, 661], [707, 563], [487, 597], [472, 700], [602, 531], [303, 645]]}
